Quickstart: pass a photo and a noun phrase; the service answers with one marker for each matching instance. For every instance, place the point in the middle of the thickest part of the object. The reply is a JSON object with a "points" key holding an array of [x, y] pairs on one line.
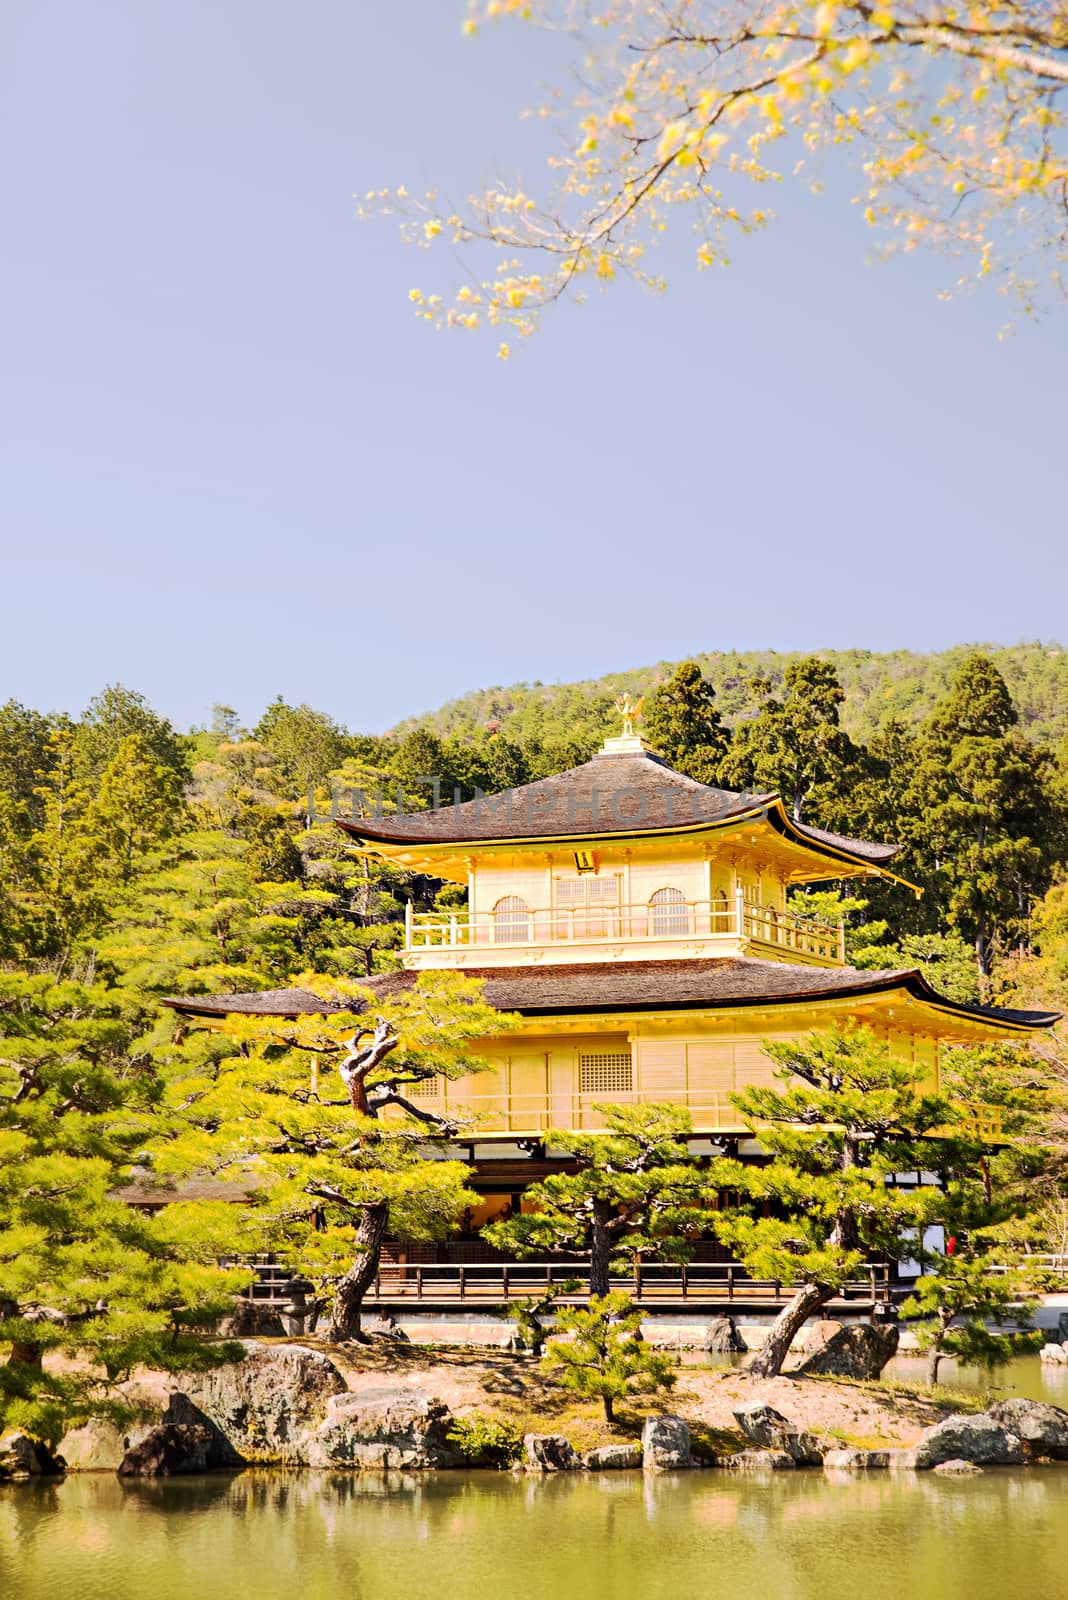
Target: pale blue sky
{"points": [[232, 463]]}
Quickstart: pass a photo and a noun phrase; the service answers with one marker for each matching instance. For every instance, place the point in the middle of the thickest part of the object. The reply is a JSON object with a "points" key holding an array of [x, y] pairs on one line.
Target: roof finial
{"points": [[628, 709]]}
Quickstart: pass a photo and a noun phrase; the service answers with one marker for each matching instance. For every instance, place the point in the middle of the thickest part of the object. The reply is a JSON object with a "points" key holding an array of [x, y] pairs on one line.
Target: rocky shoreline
{"points": [[288, 1404]]}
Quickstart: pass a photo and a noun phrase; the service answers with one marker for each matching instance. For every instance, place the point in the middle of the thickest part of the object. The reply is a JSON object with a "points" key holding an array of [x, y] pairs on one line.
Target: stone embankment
{"points": [[394, 1408]]}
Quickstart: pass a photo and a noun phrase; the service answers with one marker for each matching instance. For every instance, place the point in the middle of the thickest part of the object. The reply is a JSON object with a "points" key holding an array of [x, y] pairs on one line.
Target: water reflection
{"points": [[627, 1535]]}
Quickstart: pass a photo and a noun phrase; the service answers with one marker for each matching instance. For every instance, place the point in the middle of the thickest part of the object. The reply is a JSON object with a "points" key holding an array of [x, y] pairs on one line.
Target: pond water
{"points": [[489, 1536]]}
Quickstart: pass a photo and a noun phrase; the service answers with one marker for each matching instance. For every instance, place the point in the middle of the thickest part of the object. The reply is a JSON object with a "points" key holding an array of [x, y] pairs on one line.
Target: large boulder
{"points": [[1054, 1355], [101, 1444], [1042, 1428], [169, 1449], [387, 1428], [722, 1337], [549, 1452], [765, 1426], [23, 1456], [858, 1351], [979, 1439], [957, 1469], [270, 1404], [614, 1457], [665, 1444]]}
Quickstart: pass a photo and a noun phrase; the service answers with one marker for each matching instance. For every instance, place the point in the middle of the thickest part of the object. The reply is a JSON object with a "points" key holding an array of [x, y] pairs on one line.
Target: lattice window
{"points": [[426, 1089], [603, 891], [610, 1072], [668, 912], [511, 920], [570, 892]]}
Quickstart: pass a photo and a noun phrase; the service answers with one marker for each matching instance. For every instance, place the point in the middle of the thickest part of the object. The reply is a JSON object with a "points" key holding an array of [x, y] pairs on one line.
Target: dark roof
{"points": [[628, 986], [635, 792], [257, 1003]]}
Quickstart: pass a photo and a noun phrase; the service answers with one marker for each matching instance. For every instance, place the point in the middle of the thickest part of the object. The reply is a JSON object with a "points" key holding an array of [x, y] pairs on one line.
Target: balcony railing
{"points": [[711, 1110], [520, 1114], [680, 920]]}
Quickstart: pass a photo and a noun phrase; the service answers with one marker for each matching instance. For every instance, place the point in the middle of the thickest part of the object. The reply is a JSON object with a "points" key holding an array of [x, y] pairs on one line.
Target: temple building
{"points": [[638, 923]]}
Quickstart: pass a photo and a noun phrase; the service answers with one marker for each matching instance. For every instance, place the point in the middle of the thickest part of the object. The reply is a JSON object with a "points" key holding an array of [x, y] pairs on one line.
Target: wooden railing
{"points": [[685, 919], [651, 1282], [710, 1109], [493, 1282]]}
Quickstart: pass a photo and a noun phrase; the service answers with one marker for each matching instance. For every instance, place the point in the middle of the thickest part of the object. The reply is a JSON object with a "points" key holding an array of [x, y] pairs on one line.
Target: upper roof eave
{"points": [[862, 855]]}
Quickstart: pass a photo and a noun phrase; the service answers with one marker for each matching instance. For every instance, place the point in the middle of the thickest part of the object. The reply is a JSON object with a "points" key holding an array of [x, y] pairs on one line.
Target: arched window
{"points": [[511, 920], [721, 919], [668, 912]]}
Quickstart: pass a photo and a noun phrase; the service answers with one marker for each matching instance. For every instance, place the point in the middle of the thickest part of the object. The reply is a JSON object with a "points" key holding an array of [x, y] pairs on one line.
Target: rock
{"points": [[23, 1456], [978, 1439], [957, 1469], [386, 1327], [814, 1335], [758, 1461], [270, 1405], [901, 1460], [549, 1452], [857, 1460], [253, 1320], [665, 1444], [169, 1449], [859, 1351], [1054, 1355], [722, 1337], [388, 1428], [765, 1426], [1042, 1428], [614, 1457], [100, 1445]]}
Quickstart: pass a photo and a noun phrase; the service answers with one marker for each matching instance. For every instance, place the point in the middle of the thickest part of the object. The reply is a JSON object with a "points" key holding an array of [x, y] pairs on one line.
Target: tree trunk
{"points": [[600, 1247], [348, 1298], [26, 1354], [609, 1408], [934, 1361], [767, 1363]]}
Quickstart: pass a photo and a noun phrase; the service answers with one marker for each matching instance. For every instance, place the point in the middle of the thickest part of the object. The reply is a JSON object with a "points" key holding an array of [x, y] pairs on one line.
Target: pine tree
{"points": [[327, 1120], [847, 1116], [82, 1274], [600, 1353], [638, 1192]]}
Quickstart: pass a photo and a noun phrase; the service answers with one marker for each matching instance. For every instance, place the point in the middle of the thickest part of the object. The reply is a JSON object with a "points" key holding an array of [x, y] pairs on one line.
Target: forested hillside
{"points": [[901, 684]]}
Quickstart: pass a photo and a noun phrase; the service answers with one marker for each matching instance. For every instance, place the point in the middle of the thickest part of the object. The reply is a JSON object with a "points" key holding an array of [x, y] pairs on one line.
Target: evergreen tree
{"points": [[638, 1192], [333, 1168], [847, 1116], [117, 714], [982, 826], [599, 1353], [82, 1275], [682, 723], [795, 745], [306, 745]]}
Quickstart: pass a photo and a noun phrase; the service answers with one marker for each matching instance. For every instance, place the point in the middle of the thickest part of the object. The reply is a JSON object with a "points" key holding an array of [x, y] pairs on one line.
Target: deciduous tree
{"points": [[951, 115]]}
